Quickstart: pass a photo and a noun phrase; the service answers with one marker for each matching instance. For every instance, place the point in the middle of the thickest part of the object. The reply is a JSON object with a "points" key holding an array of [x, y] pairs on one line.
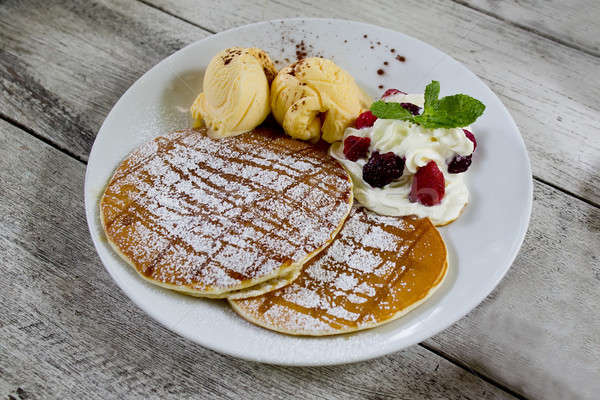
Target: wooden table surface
{"points": [[67, 331]]}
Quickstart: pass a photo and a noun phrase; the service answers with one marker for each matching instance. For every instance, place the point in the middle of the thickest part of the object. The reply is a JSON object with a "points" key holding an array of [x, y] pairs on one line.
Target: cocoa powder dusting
{"points": [[301, 52], [302, 49], [230, 54]]}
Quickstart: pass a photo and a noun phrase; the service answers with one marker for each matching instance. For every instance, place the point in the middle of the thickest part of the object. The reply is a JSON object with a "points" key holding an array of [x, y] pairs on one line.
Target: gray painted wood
{"points": [[536, 333], [65, 94], [550, 89], [67, 331], [573, 22], [539, 331], [63, 64]]}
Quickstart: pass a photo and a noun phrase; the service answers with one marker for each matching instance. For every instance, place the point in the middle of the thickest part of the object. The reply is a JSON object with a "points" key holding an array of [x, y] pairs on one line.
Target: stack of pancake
{"points": [[255, 219]]}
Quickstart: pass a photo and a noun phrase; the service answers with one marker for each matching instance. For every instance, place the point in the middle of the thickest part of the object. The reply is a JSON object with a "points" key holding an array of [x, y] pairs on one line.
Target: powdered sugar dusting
{"points": [[345, 282], [212, 214], [359, 281]]}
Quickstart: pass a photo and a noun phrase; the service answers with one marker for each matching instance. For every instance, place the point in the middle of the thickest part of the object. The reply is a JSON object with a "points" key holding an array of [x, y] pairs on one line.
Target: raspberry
{"points": [[391, 92], [459, 164], [428, 186], [471, 137], [412, 108], [365, 119], [356, 147], [382, 169]]}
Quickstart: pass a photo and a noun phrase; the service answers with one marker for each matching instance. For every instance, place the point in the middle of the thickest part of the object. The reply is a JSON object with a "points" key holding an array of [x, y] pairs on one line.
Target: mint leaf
{"points": [[451, 112], [432, 92], [384, 110], [448, 112]]}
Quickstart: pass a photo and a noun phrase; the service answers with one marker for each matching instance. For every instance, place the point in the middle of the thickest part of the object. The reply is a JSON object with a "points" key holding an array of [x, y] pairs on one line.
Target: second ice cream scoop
{"points": [[315, 98]]}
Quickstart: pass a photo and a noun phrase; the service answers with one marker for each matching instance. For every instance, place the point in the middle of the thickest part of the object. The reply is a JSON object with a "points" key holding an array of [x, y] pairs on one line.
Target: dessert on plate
{"points": [[243, 209], [376, 270], [216, 217], [408, 154]]}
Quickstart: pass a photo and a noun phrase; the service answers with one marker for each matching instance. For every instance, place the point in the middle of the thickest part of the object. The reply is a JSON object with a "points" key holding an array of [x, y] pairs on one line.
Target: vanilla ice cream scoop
{"points": [[315, 98], [235, 97]]}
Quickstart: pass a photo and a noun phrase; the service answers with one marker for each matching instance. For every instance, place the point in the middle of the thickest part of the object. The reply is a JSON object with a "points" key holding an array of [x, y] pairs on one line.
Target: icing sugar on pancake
{"points": [[209, 217], [377, 269]]}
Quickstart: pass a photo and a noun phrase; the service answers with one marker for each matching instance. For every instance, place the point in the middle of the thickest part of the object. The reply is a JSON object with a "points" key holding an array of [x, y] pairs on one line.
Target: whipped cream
{"points": [[418, 146]]}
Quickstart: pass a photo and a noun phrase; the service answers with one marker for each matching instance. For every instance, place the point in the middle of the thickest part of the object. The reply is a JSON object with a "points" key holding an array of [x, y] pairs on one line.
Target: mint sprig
{"points": [[454, 111], [385, 110]]}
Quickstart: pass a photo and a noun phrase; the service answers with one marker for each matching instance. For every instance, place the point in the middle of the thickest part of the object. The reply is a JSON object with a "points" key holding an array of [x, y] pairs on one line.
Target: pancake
{"points": [[266, 286], [214, 217], [376, 270]]}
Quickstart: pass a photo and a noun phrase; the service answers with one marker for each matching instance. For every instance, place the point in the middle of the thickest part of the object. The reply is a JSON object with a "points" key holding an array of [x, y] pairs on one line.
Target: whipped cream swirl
{"points": [[418, 146]]}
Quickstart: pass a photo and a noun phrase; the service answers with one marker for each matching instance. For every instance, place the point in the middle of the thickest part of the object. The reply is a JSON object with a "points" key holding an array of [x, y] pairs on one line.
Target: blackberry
{"points": [[381, 169], [459, 164]]}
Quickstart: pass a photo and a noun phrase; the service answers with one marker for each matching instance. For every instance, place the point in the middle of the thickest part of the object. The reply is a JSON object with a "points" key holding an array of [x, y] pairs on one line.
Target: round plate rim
{"points": [[90, 200]]}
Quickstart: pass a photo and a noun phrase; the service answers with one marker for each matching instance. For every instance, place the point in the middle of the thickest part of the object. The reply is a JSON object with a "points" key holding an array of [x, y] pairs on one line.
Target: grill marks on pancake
{"points": [[383, 287], [231, 178], [226, 203], [375, 268]]}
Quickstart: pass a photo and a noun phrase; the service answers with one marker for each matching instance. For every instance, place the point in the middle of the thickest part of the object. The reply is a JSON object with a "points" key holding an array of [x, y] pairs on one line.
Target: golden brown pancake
{"points": [[377, 269], [266, 286], [213, 217]]}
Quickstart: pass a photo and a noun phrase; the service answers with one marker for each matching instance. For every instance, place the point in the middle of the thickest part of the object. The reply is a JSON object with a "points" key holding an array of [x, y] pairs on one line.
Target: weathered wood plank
{"points": [[68, 332], [550, 89], [63, 64], [495, 333], [573, 22], [539, 331]]}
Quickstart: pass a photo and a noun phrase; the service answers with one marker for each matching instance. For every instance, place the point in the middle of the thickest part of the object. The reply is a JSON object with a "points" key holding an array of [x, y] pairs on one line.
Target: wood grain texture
{"points": [[573, 22], [68, 332], [550, 89], [539, 331], [536, 333], [63, 64]]}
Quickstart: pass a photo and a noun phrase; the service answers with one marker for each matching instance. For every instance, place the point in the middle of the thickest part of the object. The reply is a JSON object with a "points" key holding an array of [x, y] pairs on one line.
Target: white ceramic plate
{"points": [[482, 243]]}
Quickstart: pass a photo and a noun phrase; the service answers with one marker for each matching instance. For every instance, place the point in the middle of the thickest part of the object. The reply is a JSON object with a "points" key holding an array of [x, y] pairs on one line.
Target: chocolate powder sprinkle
{"points": [[269, 74]]}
